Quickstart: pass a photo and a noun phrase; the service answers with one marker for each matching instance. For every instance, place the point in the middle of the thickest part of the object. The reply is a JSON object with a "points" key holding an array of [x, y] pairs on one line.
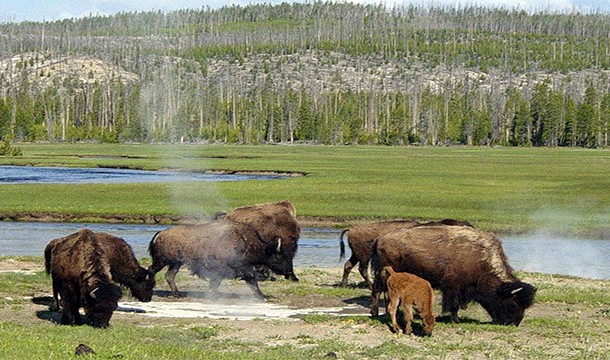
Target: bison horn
{"points": [[92, 293], [279, 244], [516, 290]]}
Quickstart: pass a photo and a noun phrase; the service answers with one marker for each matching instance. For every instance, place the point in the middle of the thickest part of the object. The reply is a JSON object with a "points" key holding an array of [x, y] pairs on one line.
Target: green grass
{"points": [[505, 189], [558, 329]]}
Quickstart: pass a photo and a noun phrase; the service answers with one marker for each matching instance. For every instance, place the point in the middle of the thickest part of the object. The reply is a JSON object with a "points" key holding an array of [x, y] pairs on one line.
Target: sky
{"points": [[50, 10]]}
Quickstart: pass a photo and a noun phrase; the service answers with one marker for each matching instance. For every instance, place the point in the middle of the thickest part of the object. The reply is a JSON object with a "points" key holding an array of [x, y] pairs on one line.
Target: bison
{"points": [[466, 264], [124, 266], [361, 240], [274, 222], [409, 290], [81, 275], [217, 250]]}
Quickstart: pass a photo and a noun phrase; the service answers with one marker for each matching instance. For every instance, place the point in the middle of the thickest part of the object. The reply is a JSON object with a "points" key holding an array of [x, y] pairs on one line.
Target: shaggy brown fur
{"points": [[216, 250], [81, 275], [409, 290], [124, 267], [466, 264], [274, 222], [361, 240]]}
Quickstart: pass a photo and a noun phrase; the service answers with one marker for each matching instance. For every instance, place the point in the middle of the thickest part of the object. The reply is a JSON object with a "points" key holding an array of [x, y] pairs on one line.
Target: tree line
{"points": [[316, 72]]}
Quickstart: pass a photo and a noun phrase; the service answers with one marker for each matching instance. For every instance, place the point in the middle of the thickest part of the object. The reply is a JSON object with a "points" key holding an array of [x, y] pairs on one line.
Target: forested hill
{"points": [[318, 72]]}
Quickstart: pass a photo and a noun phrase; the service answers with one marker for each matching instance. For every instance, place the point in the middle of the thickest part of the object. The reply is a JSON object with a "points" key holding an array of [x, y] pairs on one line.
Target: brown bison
{"points": [[466, 264], [124, 266], [81, 275], [217, 250], [361, 240], [274, 222], [409, 290]]}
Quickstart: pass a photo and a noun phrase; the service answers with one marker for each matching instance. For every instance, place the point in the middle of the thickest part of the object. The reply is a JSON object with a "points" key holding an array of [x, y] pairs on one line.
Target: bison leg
{"points": [[254, 286], [170, 276], [70, 302], [156, 266], [214, 282], [364, 271], [54, 306], [347, 268], [392, 307], [378, 288], [451, 302], [407, 310]]}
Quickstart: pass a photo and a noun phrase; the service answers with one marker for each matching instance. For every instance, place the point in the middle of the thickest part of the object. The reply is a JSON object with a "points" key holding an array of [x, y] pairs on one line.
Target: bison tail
{"points": [[47, 259], [151, 245], [378, 283], [342, 245]]}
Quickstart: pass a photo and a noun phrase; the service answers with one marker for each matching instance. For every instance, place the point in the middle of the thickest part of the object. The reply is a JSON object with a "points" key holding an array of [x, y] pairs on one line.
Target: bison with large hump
{"points": [[81, 275], [235, 245], [276, 223], [466, 264], [361, 240], [124, 267]]}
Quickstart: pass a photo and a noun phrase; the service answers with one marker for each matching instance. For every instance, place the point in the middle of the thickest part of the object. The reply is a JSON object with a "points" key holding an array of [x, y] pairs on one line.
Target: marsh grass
{"points": [[507, 189]]}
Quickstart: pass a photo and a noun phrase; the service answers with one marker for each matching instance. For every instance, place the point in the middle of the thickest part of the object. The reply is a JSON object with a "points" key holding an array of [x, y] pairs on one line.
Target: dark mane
{"points": [[96, 266]]}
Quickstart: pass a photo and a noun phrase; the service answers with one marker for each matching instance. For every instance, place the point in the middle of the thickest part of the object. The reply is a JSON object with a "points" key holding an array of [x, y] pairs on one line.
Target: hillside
{"points": [[320, 72]]}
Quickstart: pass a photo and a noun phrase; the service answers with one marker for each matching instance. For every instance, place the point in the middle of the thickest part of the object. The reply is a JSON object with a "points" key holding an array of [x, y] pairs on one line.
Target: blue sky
{"points": [[38, 10]]}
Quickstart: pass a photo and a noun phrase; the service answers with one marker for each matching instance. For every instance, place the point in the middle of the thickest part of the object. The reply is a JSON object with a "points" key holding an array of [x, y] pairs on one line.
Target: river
{"points": [[320, 247], [65, 175]]}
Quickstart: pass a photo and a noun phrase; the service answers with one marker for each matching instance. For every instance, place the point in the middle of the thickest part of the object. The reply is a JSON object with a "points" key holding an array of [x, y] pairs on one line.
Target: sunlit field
{"points": [[500, 189]]}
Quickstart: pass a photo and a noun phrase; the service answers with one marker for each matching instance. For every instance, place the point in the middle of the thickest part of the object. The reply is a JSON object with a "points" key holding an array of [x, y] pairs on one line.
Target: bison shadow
{"points": [[364, 301], [48, 315]]}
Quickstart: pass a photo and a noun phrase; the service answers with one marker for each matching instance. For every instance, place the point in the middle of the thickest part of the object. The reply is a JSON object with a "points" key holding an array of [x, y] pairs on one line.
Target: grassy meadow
{"points": [[499, 189]]}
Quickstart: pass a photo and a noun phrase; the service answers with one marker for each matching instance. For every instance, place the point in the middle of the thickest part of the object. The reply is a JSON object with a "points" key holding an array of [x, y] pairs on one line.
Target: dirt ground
{"points": [[281, 321]]}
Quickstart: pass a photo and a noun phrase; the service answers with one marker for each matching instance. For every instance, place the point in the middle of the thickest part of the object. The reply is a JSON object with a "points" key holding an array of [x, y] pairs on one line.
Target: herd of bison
{"points": [[407, 258]]}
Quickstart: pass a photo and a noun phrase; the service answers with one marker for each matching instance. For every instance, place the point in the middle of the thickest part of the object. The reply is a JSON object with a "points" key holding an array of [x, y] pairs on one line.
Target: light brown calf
{"points": [[409, 290]]}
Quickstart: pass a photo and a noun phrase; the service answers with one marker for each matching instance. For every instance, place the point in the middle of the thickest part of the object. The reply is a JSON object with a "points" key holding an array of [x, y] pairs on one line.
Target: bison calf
{"points": [[409, 290]]}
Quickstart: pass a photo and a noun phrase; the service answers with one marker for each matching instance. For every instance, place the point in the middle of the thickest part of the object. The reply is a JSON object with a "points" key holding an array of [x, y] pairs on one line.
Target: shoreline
{"points": [[31, 216]]}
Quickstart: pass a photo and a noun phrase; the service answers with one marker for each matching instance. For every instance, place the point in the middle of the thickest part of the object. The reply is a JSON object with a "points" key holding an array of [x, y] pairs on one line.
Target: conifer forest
{"points": [[315, 72]]}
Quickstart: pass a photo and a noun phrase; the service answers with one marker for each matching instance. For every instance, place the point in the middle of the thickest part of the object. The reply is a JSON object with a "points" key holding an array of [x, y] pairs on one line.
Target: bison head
{"points": [[279, 258], [101, 303], [143, 284], [507, 306]]}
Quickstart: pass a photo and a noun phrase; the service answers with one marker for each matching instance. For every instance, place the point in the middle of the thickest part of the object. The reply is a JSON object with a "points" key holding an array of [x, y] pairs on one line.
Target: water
{"points": [[320, 247], [63, 175]]}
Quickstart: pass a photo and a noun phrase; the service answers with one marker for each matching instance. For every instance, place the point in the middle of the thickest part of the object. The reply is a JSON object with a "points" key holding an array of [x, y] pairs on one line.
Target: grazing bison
{"points": [[81, 275], [466, 264], [124, 266], [361, 240], [274, 222], [409, 290], [217, 250]]}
